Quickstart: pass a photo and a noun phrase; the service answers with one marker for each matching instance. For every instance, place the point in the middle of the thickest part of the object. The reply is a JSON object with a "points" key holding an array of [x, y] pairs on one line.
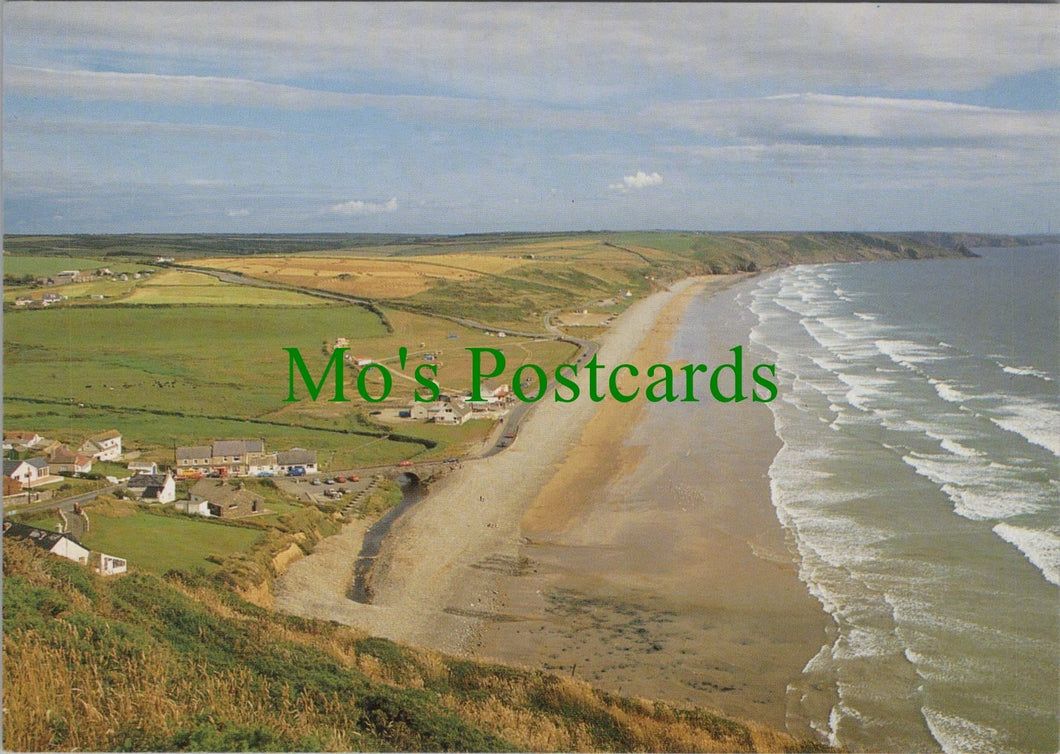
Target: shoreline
{"points": [[477, 567], [657, 565]]}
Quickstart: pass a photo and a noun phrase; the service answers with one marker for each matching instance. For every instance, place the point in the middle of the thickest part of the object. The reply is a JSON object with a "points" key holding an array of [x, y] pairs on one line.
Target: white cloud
{"points": [[135, 129], [638, 180], [568, 51], [237, 212], [817, 117], [358, 207]]}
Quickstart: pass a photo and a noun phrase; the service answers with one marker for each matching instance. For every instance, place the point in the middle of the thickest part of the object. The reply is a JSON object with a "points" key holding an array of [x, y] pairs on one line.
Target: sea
{"points": [[918, 479]]}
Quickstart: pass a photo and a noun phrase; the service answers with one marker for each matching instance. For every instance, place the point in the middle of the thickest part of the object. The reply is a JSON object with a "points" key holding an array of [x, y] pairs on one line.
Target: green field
{"points": [[39, 266], [161, 543]]}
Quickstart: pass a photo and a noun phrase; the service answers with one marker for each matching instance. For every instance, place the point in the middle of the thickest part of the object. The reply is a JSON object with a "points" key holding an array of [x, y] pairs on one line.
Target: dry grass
{"points": [[137, 664], [369, 278]]}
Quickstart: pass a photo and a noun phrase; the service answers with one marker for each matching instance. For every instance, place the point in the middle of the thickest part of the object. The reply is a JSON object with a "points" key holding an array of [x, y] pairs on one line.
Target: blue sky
{"points": [[460, 118]]}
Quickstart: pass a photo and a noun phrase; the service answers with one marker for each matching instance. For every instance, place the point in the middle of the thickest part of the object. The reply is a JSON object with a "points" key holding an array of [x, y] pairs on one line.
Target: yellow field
{"points": [[180, 287], [370, 278]]}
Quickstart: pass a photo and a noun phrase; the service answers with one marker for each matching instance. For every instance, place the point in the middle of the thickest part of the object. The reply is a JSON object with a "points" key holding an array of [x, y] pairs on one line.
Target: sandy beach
{"points": [[565, 552]]}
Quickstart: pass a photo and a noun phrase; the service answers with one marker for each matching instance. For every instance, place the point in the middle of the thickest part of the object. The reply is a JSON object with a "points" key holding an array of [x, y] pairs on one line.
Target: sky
{"points": [[483, 117]]}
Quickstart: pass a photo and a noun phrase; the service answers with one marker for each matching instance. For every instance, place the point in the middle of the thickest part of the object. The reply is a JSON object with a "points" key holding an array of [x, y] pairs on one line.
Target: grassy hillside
{"points": [[149, 663]]}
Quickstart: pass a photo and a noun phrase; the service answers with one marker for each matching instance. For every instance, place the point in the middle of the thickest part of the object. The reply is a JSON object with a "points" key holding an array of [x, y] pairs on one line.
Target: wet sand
{"points": [[656, 565]]}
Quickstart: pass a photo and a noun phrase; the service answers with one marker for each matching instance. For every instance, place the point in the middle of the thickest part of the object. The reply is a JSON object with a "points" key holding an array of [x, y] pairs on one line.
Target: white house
{"points": [[31, 472], [103, 446], [51, 541], [153, 488]]}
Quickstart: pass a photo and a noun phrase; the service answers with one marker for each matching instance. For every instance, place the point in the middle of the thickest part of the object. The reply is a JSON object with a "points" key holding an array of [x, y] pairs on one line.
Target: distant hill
{"points": [[787, 246]]}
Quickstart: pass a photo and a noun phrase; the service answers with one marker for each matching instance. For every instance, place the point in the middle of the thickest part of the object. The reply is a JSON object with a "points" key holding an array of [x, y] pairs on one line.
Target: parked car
{"points": [[317, 482], [405, 463], [295, 471], [329, 481], [355, 478], [452, 460], [340, 479]]}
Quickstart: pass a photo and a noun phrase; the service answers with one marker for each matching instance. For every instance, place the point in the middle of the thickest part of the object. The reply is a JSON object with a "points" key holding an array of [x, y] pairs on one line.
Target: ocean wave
{"points": [[1034, 421], [958, 735], [948, 391], [908, 353], [980, 490], [1025, 372], [1040, 547]]}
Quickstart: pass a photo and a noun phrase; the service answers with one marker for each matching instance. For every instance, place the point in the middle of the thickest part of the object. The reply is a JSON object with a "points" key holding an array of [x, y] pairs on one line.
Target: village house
{"points": [[62, 460], [23, 301], [241, 458], [30, 472], [103, 446], [456, 412], [153, 488], [224, 457], [62, 545], [143, 467], [289, 460], [65, 546], [218, 498]]}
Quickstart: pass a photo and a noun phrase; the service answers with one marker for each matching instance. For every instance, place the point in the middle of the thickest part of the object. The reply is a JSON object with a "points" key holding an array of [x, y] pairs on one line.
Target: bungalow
{"points": [[103, 446], [153, 488], [224, 500], [23, 301], [143, 467], [50, 541], [51, 298], [287, 460], [30, 473], [63, 460]]}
